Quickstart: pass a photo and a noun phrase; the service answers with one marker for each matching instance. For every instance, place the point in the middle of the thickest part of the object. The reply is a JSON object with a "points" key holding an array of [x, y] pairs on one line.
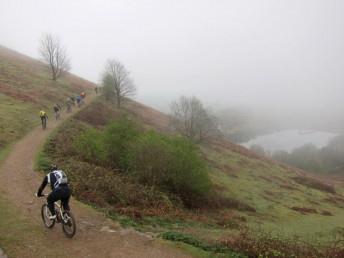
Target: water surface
{"points": [[290, 139]]}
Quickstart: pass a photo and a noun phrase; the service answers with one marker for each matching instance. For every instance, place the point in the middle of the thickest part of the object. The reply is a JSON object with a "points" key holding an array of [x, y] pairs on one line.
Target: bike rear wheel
{"points": [[68, 224], [45, 212]]}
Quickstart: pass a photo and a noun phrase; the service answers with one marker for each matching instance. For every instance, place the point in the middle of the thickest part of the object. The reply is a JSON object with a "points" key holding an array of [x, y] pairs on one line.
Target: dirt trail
{"points": [[96, 236]]}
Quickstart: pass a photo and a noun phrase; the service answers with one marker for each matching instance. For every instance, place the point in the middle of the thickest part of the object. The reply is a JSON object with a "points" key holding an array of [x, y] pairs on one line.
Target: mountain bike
{"points": [[66, 218]]}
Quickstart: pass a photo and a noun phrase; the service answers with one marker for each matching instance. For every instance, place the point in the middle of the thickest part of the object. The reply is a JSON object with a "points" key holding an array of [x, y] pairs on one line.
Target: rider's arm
{"points": [[43, 185]]}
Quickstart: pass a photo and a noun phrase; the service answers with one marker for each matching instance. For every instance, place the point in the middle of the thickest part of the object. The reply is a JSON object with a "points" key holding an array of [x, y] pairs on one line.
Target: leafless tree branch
{"points": [[55, 55], [117, 82], [192, 120]]}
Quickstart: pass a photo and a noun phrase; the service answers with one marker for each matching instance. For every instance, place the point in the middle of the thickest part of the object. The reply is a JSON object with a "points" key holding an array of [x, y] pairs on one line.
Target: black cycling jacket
{"points": [[56, 179]]}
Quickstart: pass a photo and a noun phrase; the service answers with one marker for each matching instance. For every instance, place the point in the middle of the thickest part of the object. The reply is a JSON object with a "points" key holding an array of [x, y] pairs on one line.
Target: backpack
{"points": [[61, 178]]}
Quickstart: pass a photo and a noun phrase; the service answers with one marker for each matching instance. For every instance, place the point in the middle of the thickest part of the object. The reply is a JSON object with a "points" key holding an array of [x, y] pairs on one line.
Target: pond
{"points": [[288, 140]]}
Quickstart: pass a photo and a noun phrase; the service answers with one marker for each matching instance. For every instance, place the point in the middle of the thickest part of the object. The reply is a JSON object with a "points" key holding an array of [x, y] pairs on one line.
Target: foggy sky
{"points": [[272, 54]]}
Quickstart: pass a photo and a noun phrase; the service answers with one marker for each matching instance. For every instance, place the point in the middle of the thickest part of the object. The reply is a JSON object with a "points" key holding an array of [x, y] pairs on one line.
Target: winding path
{"points": [[96, 235]]}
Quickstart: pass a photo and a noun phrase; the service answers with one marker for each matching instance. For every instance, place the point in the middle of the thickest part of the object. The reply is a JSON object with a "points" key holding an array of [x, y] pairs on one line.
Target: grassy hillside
{"points": [[257, 206], [267, 206], [25, 88]]}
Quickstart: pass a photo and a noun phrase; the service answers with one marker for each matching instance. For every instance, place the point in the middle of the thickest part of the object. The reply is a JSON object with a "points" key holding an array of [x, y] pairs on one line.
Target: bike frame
{"points": [[65, 217], [60, 211]]}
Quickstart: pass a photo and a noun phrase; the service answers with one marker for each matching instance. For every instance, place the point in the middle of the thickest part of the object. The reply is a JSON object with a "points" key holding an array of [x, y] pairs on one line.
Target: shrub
{"points": [[172, 164], [90, 145], [117, 137], [108, 147], [103, 187]]}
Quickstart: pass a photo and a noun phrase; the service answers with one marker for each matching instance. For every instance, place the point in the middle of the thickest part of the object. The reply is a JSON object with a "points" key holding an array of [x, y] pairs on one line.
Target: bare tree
{"points": [[117, 82], [55, 55], [192, 120]]}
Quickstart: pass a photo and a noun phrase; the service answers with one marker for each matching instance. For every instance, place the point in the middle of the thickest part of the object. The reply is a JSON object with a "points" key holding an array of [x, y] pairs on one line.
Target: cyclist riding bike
{"points": [[79, 100], [57, 109], [69, 105], [60, 190], [43, 115]]}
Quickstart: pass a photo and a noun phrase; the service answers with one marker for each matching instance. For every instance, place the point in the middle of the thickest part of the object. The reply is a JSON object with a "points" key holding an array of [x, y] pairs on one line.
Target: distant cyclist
{"points": [[43, 115], [69, 105], [60, 190], [78, 100], [57, 109]]}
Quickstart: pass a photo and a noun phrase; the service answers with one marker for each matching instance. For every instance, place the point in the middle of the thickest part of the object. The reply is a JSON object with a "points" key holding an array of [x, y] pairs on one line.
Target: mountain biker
{"points": [[43, 115], [78, 100], [57, 109], [60, 189], [69, 105]]}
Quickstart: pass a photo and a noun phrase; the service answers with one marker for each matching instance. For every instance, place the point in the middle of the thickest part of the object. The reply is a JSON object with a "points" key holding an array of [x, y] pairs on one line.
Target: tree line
{"points": [[325, 160]]}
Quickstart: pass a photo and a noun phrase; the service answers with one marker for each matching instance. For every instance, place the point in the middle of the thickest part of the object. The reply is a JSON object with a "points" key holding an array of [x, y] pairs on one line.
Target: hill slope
{"points": [[22, 231], [26, 88], [265, 197]]}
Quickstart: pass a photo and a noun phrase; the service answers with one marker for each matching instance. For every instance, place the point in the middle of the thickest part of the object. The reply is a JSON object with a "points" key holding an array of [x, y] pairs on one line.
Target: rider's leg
{"points": [[65, 196], [52, 198]]}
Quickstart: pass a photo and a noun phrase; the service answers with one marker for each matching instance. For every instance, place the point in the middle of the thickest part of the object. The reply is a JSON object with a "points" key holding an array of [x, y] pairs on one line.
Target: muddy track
{"points": [[96, 236]]}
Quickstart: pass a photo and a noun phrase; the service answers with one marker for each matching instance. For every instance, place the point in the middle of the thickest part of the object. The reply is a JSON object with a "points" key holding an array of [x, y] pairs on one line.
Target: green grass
{"points": [[192, 251], [203, 249], [273, 202], [17, 118], [4, 152]]}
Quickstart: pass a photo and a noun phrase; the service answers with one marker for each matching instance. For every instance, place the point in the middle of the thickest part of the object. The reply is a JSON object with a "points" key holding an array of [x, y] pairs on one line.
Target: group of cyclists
{"points": [[56, 178], [77, 100]]}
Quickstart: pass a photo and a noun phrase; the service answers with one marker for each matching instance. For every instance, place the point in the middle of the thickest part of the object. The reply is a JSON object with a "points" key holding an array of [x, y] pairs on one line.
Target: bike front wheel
{"points": [[68, 224], [45, 212]]}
